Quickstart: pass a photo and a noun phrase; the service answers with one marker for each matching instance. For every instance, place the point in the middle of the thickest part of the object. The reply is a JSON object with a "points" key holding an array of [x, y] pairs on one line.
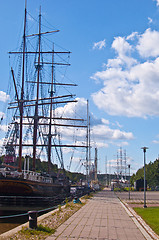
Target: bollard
{"points": [[32, 219]]}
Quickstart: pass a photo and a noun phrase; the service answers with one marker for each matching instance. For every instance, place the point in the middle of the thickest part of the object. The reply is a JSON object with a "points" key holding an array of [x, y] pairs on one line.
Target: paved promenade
{"points": [[102, 218]]}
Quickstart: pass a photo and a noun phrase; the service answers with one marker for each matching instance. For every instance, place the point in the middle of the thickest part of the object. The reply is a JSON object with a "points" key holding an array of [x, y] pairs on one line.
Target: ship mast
{"points": [[22, 96], [37, 97], [50, 120], [39, 100]]}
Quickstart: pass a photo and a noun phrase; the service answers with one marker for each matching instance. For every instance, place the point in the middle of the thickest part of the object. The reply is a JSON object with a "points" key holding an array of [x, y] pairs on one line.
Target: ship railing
{"points": [[13, 174], [3, 172], [34, 176]]}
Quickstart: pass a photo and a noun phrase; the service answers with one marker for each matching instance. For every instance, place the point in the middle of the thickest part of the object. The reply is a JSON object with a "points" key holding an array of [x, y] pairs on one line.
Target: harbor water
{"points": [[13, 216]]}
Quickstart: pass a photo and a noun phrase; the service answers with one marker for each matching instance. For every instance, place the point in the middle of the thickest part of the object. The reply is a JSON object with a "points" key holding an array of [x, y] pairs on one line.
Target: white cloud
{"points": [[104, 132], [150, 20], [72, 110], [157, 2], [3, 96], [3, 128], [148, 45], [122, 144], [121, 46], [118, 124], [100, 129], [105, 121], [101, 133], [155, 141], [132, 36], [99, 144], [131, 86], [123, 50], [99, 45]]}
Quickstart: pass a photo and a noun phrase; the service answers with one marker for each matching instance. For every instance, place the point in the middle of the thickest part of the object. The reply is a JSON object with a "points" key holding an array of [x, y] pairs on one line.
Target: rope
{"points": [[11, 216], [24, 214]]}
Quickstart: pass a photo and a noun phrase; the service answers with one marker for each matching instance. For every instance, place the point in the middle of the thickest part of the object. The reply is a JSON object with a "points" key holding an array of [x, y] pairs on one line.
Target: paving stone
{"points": [[103, 232], [67, 232], [102, 218]]}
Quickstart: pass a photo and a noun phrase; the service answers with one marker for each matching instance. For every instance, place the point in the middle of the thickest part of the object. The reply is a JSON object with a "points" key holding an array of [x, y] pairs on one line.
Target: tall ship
{"points": [[36, 120]]}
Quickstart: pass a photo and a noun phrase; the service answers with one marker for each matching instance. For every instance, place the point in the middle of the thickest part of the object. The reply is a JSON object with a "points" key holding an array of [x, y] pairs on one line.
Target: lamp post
{"points": [[144, 151], [129, 180]]}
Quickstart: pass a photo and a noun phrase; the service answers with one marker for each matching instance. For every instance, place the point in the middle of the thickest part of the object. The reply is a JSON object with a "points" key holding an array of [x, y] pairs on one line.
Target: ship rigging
{"points": [[36, 120]]}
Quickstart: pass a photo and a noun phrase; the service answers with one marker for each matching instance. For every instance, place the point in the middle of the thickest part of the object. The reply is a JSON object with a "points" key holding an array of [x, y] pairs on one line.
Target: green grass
{"points": [[59, 208], [150, 216], [39, 230], [126, 189]]}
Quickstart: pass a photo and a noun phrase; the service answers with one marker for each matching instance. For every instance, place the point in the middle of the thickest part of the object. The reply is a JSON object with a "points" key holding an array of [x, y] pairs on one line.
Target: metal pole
{"points": [[87, 180], [106, 182], [129, 180], [144, 151], [95, 165]]}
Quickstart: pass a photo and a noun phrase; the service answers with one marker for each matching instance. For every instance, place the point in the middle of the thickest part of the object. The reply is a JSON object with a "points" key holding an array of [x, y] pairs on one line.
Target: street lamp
{"points": [[129, 180], [144, 151]]}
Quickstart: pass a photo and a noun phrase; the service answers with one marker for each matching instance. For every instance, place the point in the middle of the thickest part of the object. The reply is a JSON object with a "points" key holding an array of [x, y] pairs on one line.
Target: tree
{"points": [[152, 174]]}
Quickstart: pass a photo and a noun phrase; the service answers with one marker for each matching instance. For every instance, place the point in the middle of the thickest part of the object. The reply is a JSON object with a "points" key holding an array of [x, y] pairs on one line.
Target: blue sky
{"points": [[114, 61]]}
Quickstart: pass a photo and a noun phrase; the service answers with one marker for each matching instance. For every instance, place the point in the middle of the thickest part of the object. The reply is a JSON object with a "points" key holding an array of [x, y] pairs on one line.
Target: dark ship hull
{"points": [[24, 187]]}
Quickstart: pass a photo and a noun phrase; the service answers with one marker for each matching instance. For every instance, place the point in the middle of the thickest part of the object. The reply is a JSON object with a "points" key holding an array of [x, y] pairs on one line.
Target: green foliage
{"points": [[60, 208], [41, 166], [38, 231], [117, 189], [45, 229], [121, 189], [152, 174], [150, 216], [75, 177], [67, 204], [127, 189]]}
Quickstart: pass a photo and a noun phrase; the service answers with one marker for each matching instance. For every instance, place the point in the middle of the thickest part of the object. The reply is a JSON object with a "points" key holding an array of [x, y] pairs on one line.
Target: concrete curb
{"points": [[148, 233]]}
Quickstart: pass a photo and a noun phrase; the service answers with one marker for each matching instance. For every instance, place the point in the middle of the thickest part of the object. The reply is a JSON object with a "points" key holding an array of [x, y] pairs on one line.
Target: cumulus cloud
{"points": [[3, 96], [102, 133], [73, 110], [131, 85], [132, 36], [121, 46], [148, 45], [99, 45], [157, 2], [105, 132], [123, 50]]}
